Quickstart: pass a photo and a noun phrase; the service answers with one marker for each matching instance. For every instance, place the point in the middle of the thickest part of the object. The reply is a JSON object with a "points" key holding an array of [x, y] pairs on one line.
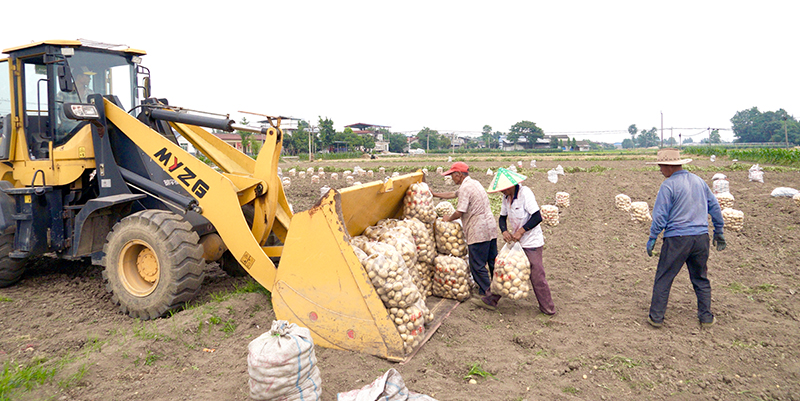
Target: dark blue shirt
{"points": [[683, 203]]}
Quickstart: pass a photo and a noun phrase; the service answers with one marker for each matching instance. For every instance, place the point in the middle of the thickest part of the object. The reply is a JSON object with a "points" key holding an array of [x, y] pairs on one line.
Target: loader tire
{"points": [[10, 269], [153, 263]]}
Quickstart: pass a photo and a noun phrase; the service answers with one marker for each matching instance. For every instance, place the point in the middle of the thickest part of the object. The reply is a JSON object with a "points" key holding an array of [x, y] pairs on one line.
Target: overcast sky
{"points": [[588, 69]]}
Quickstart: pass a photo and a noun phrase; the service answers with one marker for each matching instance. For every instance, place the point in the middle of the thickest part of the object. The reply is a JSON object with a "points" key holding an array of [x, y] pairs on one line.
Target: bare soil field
{"points": [[59, 322]]}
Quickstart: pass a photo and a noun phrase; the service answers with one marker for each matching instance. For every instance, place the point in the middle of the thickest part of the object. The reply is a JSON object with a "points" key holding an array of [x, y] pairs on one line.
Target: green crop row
{"points": [[784, 157]]}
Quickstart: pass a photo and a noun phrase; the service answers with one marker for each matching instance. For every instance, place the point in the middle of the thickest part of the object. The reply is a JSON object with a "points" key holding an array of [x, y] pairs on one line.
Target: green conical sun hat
{"points": [[504, 178]]}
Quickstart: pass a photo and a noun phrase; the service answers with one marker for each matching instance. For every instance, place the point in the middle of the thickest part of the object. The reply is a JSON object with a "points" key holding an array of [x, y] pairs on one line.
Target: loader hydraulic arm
{"points": [[218, 195]]}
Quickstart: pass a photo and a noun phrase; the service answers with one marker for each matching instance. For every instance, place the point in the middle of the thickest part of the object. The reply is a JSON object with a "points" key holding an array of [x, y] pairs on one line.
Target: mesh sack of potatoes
{"points": [[562, 199], [360, 254], [359, 241], [310, 171], [315, 179], [450, 238], [448, 180], [374, 232], [402, 240], [418, 203], [725, 200], [623, 202], [410, 322], [425, 277], [292, 172], [734, 219], [550, 215], [512, 271], [796, 199], [301, 175], [640, 211], [398, 292], [335, 176], [450, 278], [423, 239], [720, 186], [287, 182], [349, 180], [444, 208]]}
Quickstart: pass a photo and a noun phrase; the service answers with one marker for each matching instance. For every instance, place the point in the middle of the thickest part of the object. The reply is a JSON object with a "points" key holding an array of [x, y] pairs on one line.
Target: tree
{"points": [[486, 136], [553, 142], [647, 138], [754, 126], [573, 145], [245, 137], [688, 140], [527, 130], [671, 142], [428, 138], [714, 137], [326, 132], [397, 142], [627, 143], [632, 131]]}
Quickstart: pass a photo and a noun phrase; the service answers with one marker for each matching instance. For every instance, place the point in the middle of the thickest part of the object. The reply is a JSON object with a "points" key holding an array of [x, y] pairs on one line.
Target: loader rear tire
{"points": [[10, 269], [153, 263]]}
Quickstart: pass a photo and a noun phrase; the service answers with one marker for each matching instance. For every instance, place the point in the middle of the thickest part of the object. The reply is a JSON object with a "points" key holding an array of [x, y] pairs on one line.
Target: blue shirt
{"points": [[683, 203]]}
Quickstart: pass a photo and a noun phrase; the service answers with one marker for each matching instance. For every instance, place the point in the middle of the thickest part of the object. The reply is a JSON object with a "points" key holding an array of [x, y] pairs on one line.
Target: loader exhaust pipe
{"points": [[222, 124]]}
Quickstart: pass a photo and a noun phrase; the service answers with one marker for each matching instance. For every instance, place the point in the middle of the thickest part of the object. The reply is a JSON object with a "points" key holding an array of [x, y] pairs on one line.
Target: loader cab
{"points": [[47, 75]]}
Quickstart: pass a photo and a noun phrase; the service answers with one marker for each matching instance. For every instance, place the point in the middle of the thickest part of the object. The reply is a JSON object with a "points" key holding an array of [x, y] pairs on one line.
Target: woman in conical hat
{"points": [[520, 220]]}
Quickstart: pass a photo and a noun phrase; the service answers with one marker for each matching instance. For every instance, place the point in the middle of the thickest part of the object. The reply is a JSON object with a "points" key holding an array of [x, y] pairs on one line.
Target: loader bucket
{"points": [[320, 283]]}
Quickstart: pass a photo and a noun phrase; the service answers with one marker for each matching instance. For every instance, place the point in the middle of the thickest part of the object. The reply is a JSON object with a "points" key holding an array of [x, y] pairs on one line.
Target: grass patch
{"points": [[737, 287], [477, 370], [16, 377], [5, 299], [570, 390]]}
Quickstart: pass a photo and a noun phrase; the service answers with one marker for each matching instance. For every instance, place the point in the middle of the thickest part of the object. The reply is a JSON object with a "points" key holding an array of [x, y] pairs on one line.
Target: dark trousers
{"points": [[482, 254], [693, 251], [540, 286]]}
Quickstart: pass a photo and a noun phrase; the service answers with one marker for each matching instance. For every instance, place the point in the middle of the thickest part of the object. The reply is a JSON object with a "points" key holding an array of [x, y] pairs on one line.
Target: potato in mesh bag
{"points": [[725, 200], [410, 323], [450, 238], [450, 278], [549, 214], [402, 240], [418, 203], [390, 277], [623, 202], [444, 208], [423, 239], [733, 219], [512, 271], [640, 211]]}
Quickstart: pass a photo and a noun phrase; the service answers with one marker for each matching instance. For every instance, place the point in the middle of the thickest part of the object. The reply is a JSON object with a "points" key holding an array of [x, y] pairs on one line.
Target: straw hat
{"points": [[670, 157], [504, 179]]}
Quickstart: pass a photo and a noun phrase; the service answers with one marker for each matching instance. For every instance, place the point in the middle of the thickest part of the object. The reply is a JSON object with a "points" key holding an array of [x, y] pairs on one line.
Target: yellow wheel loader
{"points": [[92, 169]]}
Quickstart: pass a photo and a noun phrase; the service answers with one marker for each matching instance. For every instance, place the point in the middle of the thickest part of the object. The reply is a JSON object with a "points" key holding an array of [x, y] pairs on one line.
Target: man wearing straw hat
{"points": [[682, 205], [476, 215], [519, 221]]}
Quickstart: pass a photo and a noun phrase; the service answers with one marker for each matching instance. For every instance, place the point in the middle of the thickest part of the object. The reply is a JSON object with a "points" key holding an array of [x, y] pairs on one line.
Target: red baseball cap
{"points": [[461, 167]]}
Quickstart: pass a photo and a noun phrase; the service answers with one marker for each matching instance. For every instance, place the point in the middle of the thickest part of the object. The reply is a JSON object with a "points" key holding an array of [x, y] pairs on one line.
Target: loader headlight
{"points": [[81, 111]]}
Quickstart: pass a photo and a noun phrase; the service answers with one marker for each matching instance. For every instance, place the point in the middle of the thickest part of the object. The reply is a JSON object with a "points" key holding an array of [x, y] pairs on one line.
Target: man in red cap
{"points": [[478, 221]]}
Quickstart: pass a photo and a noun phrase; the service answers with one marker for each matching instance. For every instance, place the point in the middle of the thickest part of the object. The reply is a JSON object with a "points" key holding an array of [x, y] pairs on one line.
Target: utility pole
{"points": [[680, 141], [662, 129]]}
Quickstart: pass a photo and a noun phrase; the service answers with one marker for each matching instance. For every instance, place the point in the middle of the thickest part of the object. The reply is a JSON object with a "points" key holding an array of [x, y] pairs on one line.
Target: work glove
{"points": [[719, 241], [651, 243]]}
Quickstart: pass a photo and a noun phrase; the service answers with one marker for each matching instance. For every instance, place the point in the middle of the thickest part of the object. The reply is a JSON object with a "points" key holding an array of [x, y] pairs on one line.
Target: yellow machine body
{"points": [[320, 284]]}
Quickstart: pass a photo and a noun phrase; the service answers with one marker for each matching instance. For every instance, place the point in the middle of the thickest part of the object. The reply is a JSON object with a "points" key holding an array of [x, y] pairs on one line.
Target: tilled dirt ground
{"points": [[598, 346]]}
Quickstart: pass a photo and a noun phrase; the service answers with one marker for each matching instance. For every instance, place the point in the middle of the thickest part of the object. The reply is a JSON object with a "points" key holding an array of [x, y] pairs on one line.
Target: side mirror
{"points": [[81, 112], [146, 81], [65, 81]]}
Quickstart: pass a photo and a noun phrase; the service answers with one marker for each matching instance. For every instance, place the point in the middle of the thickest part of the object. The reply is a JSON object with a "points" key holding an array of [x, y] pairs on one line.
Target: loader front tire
{"points": [[153, 263], [10, 269]]}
